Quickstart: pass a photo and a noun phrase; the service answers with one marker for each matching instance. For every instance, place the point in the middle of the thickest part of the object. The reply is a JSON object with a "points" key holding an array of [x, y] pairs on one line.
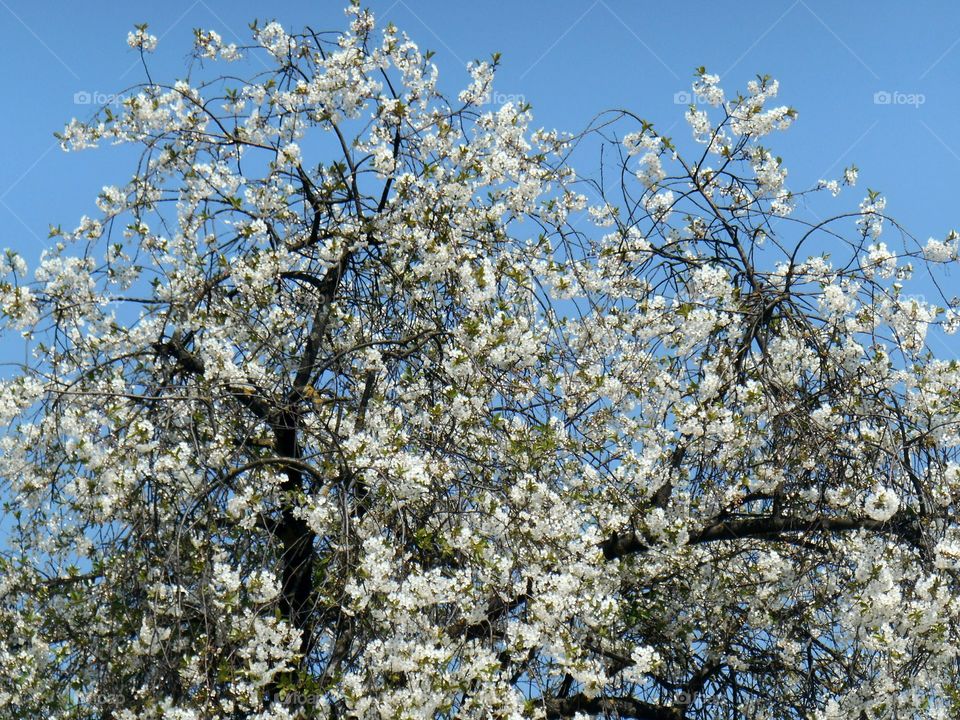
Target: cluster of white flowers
{"points": [[651, 170], [880, 260], [749, 116], [770, 173], [699, 122], [659, 205], [142, 39], [478, 92], [836, 301], [275, 39], [17, 395], [112, 200], [832, 185], [289, 155], [870, 218], [708, 87], [910, 317], [941, 250], [209, 44], [881, 504], [225, 583], [711, 281]]}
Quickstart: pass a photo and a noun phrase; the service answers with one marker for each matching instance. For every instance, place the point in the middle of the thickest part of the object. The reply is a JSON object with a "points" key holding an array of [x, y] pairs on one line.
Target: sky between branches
{"points": [[875, 84]]}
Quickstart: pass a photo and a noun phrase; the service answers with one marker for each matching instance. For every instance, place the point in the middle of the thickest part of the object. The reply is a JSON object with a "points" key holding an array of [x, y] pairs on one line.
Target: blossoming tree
{"points": [[356, 401]]}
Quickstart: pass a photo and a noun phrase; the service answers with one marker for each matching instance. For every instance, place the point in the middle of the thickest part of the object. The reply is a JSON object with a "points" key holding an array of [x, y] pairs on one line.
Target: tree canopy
{"points": [[358, 400]]}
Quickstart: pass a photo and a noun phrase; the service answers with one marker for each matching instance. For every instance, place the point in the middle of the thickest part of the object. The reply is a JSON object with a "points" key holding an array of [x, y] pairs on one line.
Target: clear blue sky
{"points": [[568, 58]]}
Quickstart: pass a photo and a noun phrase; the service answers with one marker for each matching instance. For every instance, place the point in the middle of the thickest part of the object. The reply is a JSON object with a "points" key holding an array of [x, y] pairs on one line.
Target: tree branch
{"points": [[625, 707], [775, 529]]}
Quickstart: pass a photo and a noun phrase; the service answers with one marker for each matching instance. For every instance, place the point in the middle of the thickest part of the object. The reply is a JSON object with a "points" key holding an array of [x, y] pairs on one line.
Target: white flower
{"points": [[141, 39], [651, 170], [870, 220], [225, 581], [770, 174], [17, 395], [383, 161], [636, 142], [230, 53], [275, 40], [710, 281], [645, 659], [823, 416], [832, 185], [910, 317], [880, 259], [707, 87], [835, 301], [939, 251], [111, 200], [659, 205], [947, 553], [208, 43], [881, 504], [699, 122], [264, 586], [289, 154], [478, 92]]}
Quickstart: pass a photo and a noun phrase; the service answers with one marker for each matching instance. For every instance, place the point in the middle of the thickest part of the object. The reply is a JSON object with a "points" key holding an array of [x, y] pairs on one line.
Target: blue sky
{"points": [[568, 59]]}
